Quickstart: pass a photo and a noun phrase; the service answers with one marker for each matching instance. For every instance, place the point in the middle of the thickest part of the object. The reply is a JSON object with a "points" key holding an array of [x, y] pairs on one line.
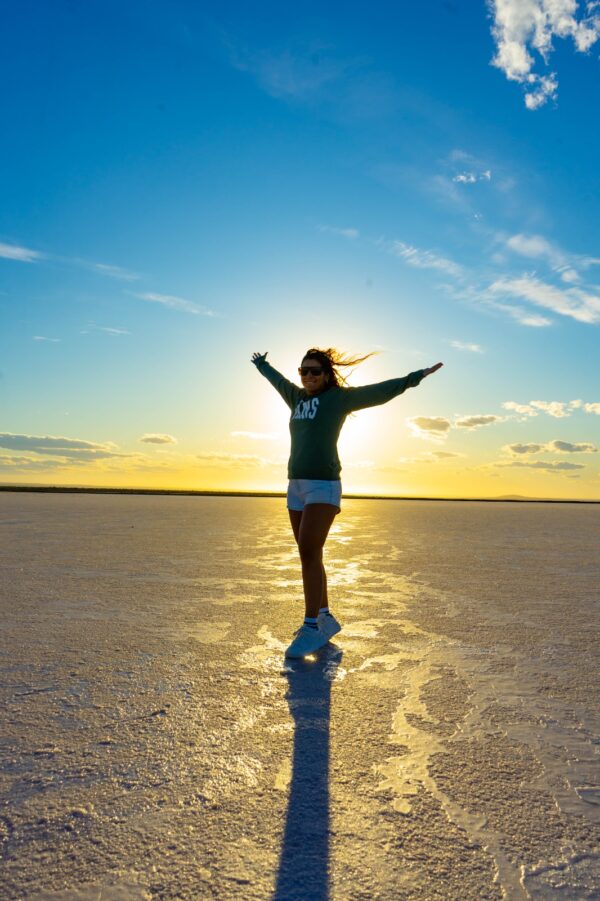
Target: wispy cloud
{"points": [[510, 294], [472, 348], [423, 259], [113, 331], [92, 327], [256, 436], [28, 464], [546, 465], [519, 449], [554, 447], [523, 24], [121, 463], [536, 247], [347, 89], [291, 73], [16, 441], [69, 448], [523, 410], [564, 263], [175, 303], [571, 276], [22, 254], [44, 338], [438, 427], [478, 294], [233, 460], [471, 178], [443, 455], [522, 316], [474, 422], [153, 438], [27, 255], [342, 232], [584, 306], [115, 272], [433, 428], [567, 447], [556, 408], [431, 457], [425, 458]]}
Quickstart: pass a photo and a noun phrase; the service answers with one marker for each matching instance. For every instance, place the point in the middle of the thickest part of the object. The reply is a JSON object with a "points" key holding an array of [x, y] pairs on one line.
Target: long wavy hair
{"points": [[331, 360]]}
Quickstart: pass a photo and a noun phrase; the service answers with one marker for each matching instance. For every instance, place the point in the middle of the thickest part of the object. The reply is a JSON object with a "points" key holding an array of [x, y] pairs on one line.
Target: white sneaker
{"points": [[306, 641], [328, 624]]}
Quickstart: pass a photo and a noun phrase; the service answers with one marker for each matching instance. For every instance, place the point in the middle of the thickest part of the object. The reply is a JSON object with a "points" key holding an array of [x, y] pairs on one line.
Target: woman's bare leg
{"points": [[314, 528], [296, 520]]}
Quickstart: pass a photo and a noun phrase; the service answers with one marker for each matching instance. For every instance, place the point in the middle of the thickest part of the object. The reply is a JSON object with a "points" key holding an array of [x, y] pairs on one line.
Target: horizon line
{"points": [[86, 489]]}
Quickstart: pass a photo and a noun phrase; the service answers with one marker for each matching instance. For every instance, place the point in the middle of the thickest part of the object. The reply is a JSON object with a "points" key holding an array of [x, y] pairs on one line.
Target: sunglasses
{"points": [[311, 370]]}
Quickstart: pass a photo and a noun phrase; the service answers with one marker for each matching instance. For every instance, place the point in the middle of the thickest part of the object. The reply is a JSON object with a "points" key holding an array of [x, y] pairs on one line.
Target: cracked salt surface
{"points": [[156, 743]]}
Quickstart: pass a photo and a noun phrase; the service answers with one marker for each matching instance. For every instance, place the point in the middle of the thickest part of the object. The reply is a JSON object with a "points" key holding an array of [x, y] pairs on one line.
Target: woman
{"points": [[319, 409]]}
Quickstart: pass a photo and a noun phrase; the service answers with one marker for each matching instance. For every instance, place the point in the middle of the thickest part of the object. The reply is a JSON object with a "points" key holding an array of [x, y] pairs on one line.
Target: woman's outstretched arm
{"points": [[289, 392], [382, 392]]}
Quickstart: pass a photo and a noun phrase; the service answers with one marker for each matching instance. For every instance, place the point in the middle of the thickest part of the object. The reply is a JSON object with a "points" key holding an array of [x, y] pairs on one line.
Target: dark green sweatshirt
{"points": [[317, 420]]}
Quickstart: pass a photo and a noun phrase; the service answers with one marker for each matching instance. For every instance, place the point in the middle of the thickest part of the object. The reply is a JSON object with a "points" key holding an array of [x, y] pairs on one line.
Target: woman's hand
{"points": [[432, 369], [257, 358]]}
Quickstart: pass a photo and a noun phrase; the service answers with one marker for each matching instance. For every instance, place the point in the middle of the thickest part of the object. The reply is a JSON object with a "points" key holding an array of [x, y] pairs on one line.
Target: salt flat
{"points": [[156, 744]]}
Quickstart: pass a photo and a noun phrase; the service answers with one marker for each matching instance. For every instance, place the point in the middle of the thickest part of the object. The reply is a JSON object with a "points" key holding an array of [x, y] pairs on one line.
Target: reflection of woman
{"points": [[319, 409]]}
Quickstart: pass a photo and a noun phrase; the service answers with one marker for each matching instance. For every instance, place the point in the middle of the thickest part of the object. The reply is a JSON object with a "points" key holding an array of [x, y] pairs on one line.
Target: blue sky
{"points": [[187, 183]]}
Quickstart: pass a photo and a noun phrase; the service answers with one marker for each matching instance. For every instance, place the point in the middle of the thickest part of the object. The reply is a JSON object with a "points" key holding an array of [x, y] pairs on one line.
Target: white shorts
{"points": [[313, 491]]}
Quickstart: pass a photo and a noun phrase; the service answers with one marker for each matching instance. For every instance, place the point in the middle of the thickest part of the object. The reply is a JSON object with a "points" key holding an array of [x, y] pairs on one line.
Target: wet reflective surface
{"points": [[156, 743]]}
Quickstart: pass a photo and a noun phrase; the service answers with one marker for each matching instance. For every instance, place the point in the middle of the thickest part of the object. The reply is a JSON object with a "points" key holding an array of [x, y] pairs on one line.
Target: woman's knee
{"points": [[310, 552]]}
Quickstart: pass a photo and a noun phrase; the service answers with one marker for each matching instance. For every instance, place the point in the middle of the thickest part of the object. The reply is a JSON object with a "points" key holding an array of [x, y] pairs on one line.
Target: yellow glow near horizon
{"points": [[430, 480]]}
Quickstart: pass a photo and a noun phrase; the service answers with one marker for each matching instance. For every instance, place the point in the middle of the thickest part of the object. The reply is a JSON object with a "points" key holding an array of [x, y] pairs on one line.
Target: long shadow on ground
{"points": [[304, 863]]}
